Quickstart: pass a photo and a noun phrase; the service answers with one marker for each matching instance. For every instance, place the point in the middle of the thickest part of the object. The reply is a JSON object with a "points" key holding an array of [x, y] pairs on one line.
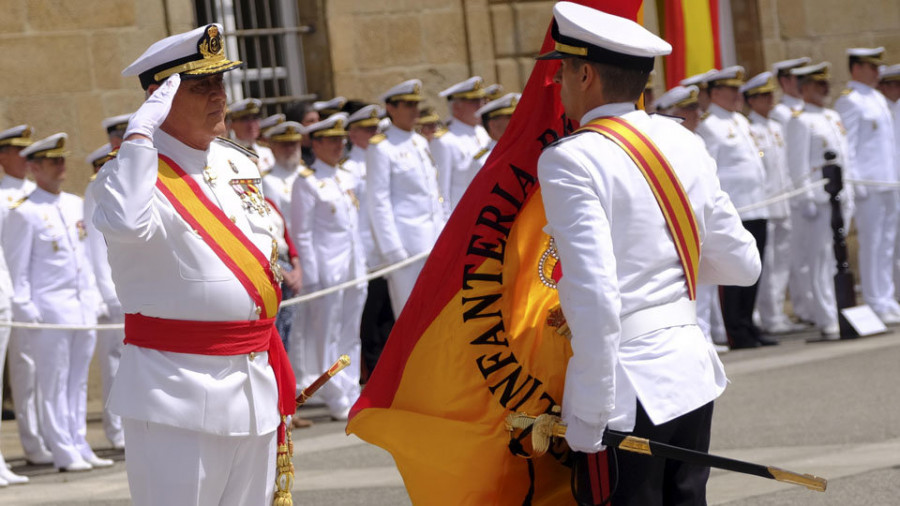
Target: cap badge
{"points": [[211, 44]]}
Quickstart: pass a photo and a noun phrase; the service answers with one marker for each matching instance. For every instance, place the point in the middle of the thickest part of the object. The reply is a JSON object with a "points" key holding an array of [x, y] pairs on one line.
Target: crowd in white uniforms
{"points": [[780, 147]]}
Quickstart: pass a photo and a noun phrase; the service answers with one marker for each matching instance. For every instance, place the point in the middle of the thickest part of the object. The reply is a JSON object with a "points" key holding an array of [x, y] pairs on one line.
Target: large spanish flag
{"points": [[482, 335], [692, 27]]}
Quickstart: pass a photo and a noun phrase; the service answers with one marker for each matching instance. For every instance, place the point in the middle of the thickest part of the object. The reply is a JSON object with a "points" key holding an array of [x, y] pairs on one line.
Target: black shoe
{"points": [[739, 345], [8, 414], [766, 342]]}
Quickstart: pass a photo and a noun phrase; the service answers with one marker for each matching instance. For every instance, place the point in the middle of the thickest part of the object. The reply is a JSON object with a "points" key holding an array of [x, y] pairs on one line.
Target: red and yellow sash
{"points": [[241, 256], [667, 189]]}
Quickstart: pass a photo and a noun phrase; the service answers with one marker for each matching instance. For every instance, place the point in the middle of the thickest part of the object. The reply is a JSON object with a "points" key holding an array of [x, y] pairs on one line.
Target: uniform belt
{"points": [[674, 314]]}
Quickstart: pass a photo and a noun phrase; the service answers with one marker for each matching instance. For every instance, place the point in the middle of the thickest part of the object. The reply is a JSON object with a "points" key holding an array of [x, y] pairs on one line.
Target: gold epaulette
{"points": [[114, 153], [92, 178], [846, 91], [249, 152], [440, 133], [481, 153], [797, 113], [306, 172], [18, 203], [264, 173], [375, 139], [340, 164], [704, 116]]}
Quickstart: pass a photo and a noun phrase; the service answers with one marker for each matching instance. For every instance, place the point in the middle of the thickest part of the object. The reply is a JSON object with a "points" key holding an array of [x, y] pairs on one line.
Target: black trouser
{"points": [[738, 301], [377, 322], [642, 480]]}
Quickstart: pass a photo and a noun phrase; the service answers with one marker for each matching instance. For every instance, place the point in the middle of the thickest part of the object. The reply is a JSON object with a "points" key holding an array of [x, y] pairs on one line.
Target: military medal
{"points": [[233, 166], [273, 263], [251, 197], [209, 177], [82, 230], [55, 246]]}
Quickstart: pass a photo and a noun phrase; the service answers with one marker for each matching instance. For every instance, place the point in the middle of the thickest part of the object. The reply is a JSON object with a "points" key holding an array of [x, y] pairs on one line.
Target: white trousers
{"points": [[62, 359], [5, 315], [819, 248], [23, 385], [799, 281], [776, 270], [401, 283], [109, 351], [332, 329], [173, 466], [876, 221]]}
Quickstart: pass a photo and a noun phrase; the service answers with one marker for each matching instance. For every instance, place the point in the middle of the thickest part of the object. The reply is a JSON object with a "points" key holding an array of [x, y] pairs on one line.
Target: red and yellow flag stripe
{"points": [[241, 256], [667, 189], [692, 27]]}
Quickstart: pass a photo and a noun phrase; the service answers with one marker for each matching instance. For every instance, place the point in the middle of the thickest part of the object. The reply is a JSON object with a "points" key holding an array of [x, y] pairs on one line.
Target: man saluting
{"points": [[640, 363], [194, 260]]}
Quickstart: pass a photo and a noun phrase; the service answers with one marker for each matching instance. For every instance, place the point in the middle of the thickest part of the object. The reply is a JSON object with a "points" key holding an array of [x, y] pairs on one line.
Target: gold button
{"points": [[258, 310], [233, 219], [252, 355]]}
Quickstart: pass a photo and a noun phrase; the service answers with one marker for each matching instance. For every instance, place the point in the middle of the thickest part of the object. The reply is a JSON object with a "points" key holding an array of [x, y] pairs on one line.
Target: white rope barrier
{"points": [[285, 303], [783, 196], [421, 256]]}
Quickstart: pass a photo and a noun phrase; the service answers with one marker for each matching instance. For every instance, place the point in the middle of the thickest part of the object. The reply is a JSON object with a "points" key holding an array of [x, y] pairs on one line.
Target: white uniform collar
{"points": [[281, 171], [357, 154], [809, 107], [861, 87], [323, 169], [794, 103], [460, 128], [42, 196], [719, 111], [184, 154], [10, 181], [615, 109], [399, 133], [756, 117]]}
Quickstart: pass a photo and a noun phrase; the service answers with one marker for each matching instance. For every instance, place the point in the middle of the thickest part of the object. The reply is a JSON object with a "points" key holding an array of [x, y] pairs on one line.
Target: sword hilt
{"points": [[335, 368]]}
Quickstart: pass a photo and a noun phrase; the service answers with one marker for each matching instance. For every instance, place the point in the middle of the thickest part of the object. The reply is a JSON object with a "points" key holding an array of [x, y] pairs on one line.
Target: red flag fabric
{"points": [[692, 27], [482, 334]]}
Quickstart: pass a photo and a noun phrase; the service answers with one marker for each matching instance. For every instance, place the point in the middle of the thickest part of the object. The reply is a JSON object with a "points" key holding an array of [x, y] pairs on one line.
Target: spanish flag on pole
{"points": [[482, 335], [692, 27]]}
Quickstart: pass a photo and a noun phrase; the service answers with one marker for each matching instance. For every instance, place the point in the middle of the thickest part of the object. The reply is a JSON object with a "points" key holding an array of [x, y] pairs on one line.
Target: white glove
{"points": [[583, 436], [102, 310], [810, 210], [154, 110], [860, 191], [26, 313]]}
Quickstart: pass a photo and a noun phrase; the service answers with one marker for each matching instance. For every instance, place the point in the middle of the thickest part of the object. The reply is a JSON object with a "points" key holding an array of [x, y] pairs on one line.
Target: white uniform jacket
{"points": [[453, 153], [164, 269], [356, 165], [44, 242], [740, 168], [404, 202], [618, 258], [266, 158], [97, 254], [326, 232], [277, 186], [769, 136], [810, 134], [12, 189], [867, 118], [783, 110]]}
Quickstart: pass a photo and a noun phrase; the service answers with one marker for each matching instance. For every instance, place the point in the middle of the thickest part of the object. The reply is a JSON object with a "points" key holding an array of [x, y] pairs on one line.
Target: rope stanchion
{"points": [[285, 303], [784, 196], [883, 184]]}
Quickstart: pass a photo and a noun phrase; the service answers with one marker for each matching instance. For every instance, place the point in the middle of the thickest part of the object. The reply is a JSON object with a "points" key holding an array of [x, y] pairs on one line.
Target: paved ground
{"points": [[825, 409]]}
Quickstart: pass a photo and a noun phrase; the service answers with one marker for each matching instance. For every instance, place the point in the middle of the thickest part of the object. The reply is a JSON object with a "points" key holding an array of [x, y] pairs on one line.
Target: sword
{"points": [[335, 368], [546, 426]]}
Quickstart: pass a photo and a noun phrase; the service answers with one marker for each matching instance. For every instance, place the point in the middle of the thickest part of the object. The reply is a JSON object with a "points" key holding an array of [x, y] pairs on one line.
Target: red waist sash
{"points": [[217, 338]]}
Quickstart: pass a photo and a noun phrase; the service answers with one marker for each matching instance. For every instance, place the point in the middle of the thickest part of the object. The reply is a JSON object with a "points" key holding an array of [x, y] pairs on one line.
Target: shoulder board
{"points": [[565, 138], [440, 133], [481, 153], [114, 153], [18, 202], [306, 172], [704, 116], [375, 139], [340, 163], [797, 113], [265, 173], [242, 149], [92, 178], [846, 91]]}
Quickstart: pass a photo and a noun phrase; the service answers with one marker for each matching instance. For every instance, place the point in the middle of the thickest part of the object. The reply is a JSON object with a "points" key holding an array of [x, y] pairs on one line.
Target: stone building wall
{"points": [[62, 61]]}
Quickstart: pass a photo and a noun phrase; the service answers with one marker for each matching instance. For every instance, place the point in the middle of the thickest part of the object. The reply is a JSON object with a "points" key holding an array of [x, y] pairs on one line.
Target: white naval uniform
{"points": [[44, 240], [740, 168], [277, 185], [895, 111], [799, 283], [356, 165], [326, 233], [453, 153], [608, 230], [870, 133], [163, 269], [810, 134], [20, 356], [479, 159], [266, 160], [109, 342], [773, 282], [405, 205]]}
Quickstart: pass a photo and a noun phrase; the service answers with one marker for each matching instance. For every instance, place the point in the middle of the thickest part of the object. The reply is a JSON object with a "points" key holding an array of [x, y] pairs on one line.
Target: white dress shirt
{"points": [[740, 167], [163, 268], [618, 258]]}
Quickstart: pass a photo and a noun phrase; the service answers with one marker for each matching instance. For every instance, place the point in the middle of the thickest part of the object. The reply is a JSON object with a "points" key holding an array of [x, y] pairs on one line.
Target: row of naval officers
{"points": [[344, 198]]}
